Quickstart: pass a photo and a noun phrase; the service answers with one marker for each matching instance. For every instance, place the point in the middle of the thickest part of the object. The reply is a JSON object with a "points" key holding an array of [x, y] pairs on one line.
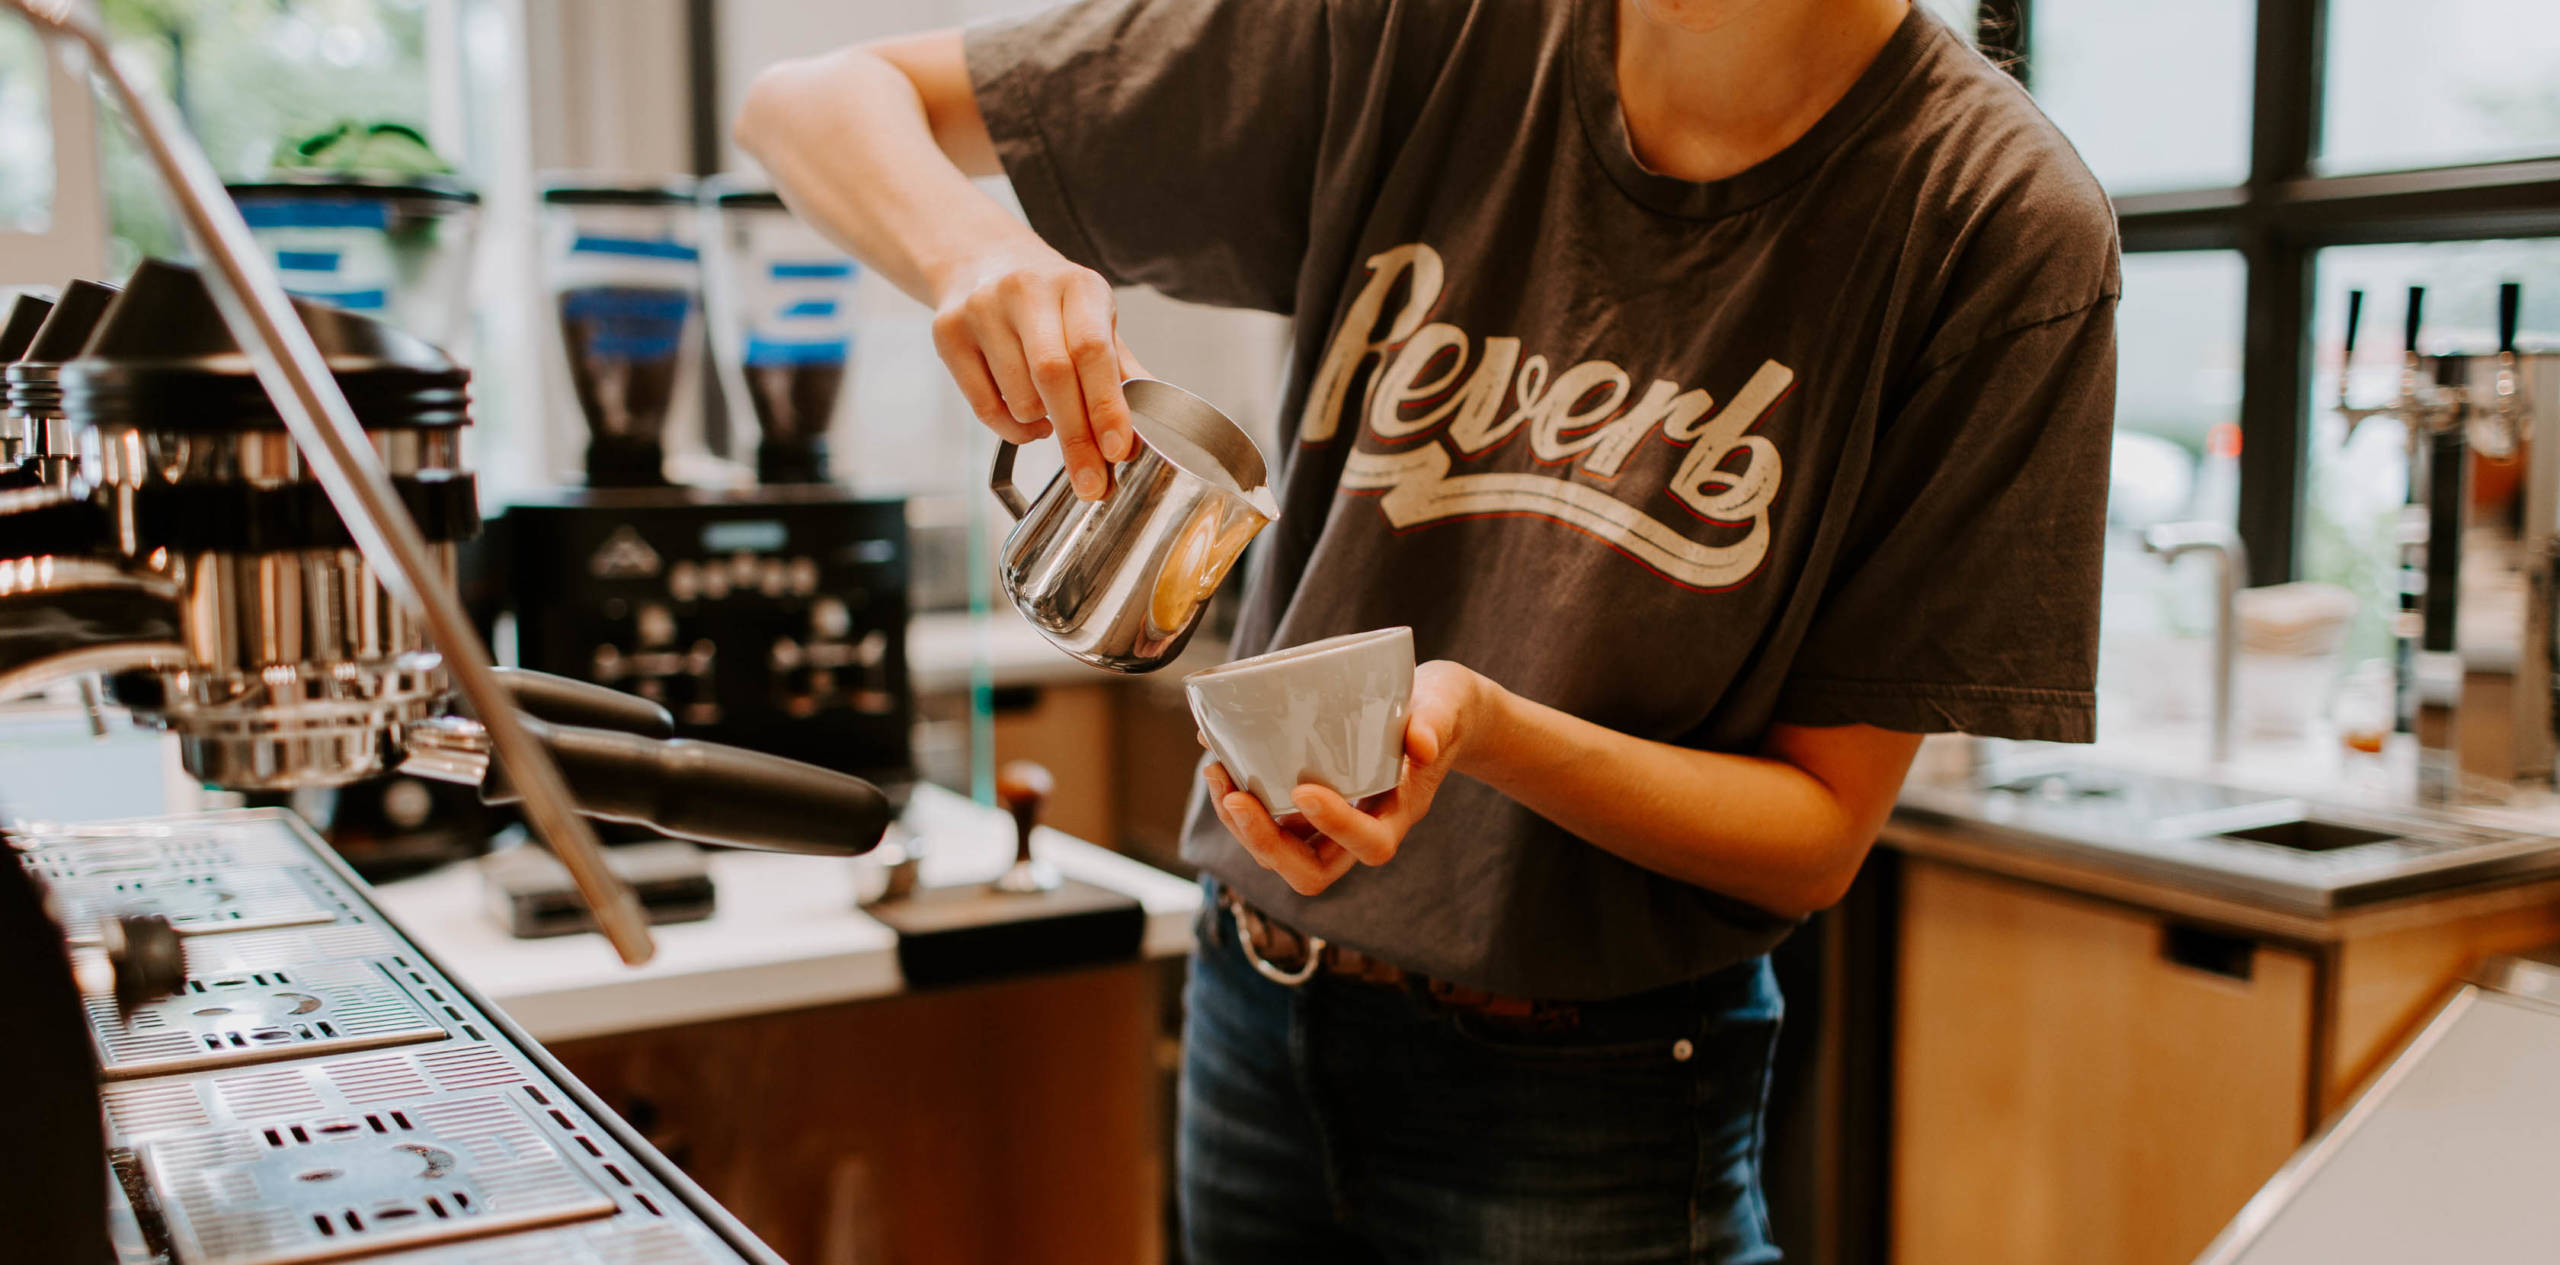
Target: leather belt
{"points": [[1287, 956]]}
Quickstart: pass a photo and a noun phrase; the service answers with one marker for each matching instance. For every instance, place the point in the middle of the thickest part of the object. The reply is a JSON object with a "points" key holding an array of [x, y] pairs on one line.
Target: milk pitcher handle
{"points": [[1000, 481]]}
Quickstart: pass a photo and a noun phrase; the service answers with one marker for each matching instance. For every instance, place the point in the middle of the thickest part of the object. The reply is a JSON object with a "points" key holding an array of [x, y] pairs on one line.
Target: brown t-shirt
{"points": [[1823, 443]]}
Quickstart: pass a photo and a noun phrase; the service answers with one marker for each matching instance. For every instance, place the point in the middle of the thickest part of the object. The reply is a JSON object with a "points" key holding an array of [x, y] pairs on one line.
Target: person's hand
{"points": [[1033, 340], [1312, 850]]}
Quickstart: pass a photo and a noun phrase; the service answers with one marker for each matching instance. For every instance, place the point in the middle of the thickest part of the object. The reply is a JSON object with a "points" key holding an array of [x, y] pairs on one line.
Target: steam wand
{"points": [[324, 428]]}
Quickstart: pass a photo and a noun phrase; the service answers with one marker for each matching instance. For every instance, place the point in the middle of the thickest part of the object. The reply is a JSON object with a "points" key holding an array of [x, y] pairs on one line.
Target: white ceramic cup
{"points": [[1330, 712]]}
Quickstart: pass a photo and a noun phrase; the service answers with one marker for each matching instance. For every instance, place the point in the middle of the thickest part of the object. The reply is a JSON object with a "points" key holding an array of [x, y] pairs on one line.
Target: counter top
{"points": [[787, 934], [2163, 845]]}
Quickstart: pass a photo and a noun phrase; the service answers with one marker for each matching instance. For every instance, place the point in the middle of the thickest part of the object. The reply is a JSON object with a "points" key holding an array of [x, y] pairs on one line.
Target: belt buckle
{"points": [[1261, 966]]}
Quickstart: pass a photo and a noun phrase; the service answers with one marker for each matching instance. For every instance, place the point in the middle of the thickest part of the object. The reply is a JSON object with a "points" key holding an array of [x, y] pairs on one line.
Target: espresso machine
{"points": [[286, 1076], [770, 616], [2478, 689], [32, 429], [229, 1056]]}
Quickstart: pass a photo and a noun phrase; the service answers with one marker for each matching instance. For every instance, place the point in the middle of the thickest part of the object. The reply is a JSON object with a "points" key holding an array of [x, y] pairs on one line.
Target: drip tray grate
{"points": [[195, 904], [321, 1190], [258, 1017]]}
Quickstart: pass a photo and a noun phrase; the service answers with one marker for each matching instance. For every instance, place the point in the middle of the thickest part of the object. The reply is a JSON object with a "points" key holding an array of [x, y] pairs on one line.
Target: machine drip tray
{"points": [[262, 1016], [326, 1189]]}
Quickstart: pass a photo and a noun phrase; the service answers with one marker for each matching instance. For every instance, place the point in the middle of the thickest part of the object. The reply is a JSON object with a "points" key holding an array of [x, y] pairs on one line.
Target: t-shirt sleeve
{"points": [[1967, 596], [1167, 143]]}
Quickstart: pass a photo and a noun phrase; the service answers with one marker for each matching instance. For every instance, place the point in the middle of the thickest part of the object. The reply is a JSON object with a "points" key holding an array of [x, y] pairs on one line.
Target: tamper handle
{"points": [[1023, 787], [2355, 317], [2417, 307], [2510, 300]]}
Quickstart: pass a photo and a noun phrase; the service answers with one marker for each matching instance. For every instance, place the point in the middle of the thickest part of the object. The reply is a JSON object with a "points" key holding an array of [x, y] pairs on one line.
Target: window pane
{"points": [[2426, 85], [2154, 95], [2357, 484], [2176, 459], [26, 132], [251, 75]]}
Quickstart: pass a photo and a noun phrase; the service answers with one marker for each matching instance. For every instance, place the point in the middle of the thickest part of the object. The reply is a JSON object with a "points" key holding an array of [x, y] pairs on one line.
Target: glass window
{"points": [[2154, 95], [2178, 337], [2357, 483], [2447, 82], [249, 76], [26, 132]]}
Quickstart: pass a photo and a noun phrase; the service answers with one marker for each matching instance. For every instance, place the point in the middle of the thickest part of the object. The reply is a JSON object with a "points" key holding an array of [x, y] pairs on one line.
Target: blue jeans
{"points": [[1343, 1122]]}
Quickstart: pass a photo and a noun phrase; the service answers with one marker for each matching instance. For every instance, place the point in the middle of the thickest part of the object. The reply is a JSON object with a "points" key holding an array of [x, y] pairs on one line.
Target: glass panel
{"points": [[2425, 85], [2358, 483], [2154, 95], [26, 132], [250, 76], [2176, 459]]}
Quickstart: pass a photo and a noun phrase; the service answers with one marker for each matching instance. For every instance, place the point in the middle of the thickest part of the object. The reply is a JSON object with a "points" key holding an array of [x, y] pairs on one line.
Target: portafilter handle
{"points": [[724, 796], [568, 701]]}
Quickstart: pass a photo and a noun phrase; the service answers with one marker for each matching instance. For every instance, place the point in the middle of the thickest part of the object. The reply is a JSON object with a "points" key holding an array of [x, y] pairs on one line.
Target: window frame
{"points": [[2278, 219]]}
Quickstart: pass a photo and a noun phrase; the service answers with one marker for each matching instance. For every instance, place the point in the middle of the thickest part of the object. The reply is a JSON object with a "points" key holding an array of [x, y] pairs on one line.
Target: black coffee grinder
{"points": [[770, 616]]}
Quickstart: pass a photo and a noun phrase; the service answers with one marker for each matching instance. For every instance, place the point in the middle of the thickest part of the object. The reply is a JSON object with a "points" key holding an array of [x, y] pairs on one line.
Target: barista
{"points": [[1722, 391]]}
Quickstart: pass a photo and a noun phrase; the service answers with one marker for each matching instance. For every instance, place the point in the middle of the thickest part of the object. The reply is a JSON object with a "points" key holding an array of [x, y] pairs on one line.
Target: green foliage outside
{"points": [[252, 78]]}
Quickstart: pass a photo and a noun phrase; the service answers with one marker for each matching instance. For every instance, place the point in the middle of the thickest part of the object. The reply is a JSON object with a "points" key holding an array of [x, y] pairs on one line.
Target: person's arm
{"points": [[874, 146], [1784, 830]]}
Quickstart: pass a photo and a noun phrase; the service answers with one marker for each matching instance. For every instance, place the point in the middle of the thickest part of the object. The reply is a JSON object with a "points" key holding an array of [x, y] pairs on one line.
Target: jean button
{"points": [[1682, 1049]]}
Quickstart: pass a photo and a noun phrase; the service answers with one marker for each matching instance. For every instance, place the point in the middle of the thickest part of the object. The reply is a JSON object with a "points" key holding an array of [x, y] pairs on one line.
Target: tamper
{"points": [[1022, 787]]}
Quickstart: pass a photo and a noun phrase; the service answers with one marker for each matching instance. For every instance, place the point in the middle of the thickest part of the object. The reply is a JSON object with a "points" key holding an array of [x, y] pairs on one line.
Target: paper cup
{"points": [[1329, 712]]}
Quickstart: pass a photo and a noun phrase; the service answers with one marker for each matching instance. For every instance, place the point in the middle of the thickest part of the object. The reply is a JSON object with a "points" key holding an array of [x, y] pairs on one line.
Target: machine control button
{"points": [[786, 654], [828, 619], [772, 577], [606, 664], [715, 581], [684, 581], [656, 625], [742, 570], [802, 574], [698, 659]]}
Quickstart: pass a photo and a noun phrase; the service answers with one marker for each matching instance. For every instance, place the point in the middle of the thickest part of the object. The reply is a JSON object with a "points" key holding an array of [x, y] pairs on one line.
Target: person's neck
{"points": [[1711, 88]]}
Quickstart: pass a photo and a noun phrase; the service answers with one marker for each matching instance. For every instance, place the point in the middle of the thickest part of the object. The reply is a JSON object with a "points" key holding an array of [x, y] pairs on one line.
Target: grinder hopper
{"points": [[781, 306]]}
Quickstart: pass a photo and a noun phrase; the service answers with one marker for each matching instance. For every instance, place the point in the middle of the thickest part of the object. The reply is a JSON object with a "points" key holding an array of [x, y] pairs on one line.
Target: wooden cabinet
{"points": [[2080, 1082], [1005, 1122], [2093, 1066]]}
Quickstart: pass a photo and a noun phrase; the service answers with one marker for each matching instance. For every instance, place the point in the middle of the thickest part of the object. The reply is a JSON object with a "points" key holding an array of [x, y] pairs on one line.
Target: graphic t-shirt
{"points": [[1822, 443]]}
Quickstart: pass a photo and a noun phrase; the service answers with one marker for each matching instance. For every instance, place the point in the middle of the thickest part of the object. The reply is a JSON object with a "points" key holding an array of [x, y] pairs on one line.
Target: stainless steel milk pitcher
{"points": [[1120, 582]]}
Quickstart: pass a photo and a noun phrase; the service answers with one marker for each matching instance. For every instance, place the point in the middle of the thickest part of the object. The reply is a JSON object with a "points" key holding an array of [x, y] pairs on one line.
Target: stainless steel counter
{"points": [[2296, 845], [321, 1087]]}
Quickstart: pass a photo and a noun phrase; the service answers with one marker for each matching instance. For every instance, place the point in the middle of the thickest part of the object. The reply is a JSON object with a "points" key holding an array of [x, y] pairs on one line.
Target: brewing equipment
{"points": [[299, 1082], [1121, 582], [32, 409], [2460, 411], [238, 547], [772, 617], [780, 301], [394, 247]]}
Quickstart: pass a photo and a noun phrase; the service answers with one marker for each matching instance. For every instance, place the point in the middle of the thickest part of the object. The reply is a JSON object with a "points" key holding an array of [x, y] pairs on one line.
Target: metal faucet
{"points": [[2172, 541], [2448, 419]]}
